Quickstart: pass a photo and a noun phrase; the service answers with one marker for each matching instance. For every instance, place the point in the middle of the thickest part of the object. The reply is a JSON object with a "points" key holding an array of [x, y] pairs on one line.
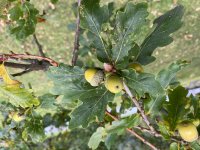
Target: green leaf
{"points": [[120, 126], [143, 83], [164, 26], [174, 146], [133, 52], [73, 77], [196, 107], [47, 105], [93, 107], [70, 83], [67, 102], [97, 137], [128, 24], [176, 107], [92, 18], [24, 26], [16, 12], [195, 145], [153, 104], [166, 76], [164, 130], [110, 140], [65, 75], [18, 96], [34, 129]]}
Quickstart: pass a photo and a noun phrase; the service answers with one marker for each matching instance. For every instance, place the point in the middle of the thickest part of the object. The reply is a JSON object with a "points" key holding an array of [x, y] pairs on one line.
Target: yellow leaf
{"points": [[6, 78]]}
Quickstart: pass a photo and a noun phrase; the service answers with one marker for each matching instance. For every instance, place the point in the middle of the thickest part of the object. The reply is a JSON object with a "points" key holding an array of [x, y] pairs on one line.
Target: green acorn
{"points": [[94, 76]]}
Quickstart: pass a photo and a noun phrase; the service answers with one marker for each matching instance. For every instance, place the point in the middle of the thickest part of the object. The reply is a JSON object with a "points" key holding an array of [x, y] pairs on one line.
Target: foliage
{"points": [[74, 103]]}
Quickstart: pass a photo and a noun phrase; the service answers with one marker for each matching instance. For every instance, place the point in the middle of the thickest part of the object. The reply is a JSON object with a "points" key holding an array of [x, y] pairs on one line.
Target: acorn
{"points": [[114, 83], [137, 67], [94, 76], [188, 131]]}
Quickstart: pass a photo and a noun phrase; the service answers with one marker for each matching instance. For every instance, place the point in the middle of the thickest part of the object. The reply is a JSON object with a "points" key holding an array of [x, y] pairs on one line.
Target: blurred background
{"points": [[57, 36]]}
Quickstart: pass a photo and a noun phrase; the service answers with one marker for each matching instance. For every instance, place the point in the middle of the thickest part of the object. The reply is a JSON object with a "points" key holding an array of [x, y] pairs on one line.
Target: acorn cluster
{"points": [[113, 82]]}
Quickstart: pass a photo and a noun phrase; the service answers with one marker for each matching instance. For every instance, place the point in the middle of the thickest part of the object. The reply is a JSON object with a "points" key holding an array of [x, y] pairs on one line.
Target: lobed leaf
{"points": [[92, 18], [16, 12], [166, 76], [65, 77], [26, 20], [143, 83], [153, 104], [19, 97], [128, 23], [34, 129], [47, 105], [163, 27], [120, 126], [94, 102], [97, 137], [175, 107]]}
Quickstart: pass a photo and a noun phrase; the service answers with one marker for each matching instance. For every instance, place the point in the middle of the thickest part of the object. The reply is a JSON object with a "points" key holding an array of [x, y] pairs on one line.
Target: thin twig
{"points": [[38, 45], [77, 34], [159, 135], [5, 57], [134, 133], [148, 131], [142, 129], [21, 73], [33, 62], [141, 110], [26, 67]]}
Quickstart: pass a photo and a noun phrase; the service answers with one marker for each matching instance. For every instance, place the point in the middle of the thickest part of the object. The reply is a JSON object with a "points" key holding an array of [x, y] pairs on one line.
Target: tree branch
{"points": [[76, 40], [134, 133], [33, 62], [148, 131], [140, 109], [16, 65], [38, 45], [159, 135], [5, 57], [142, 129]]}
